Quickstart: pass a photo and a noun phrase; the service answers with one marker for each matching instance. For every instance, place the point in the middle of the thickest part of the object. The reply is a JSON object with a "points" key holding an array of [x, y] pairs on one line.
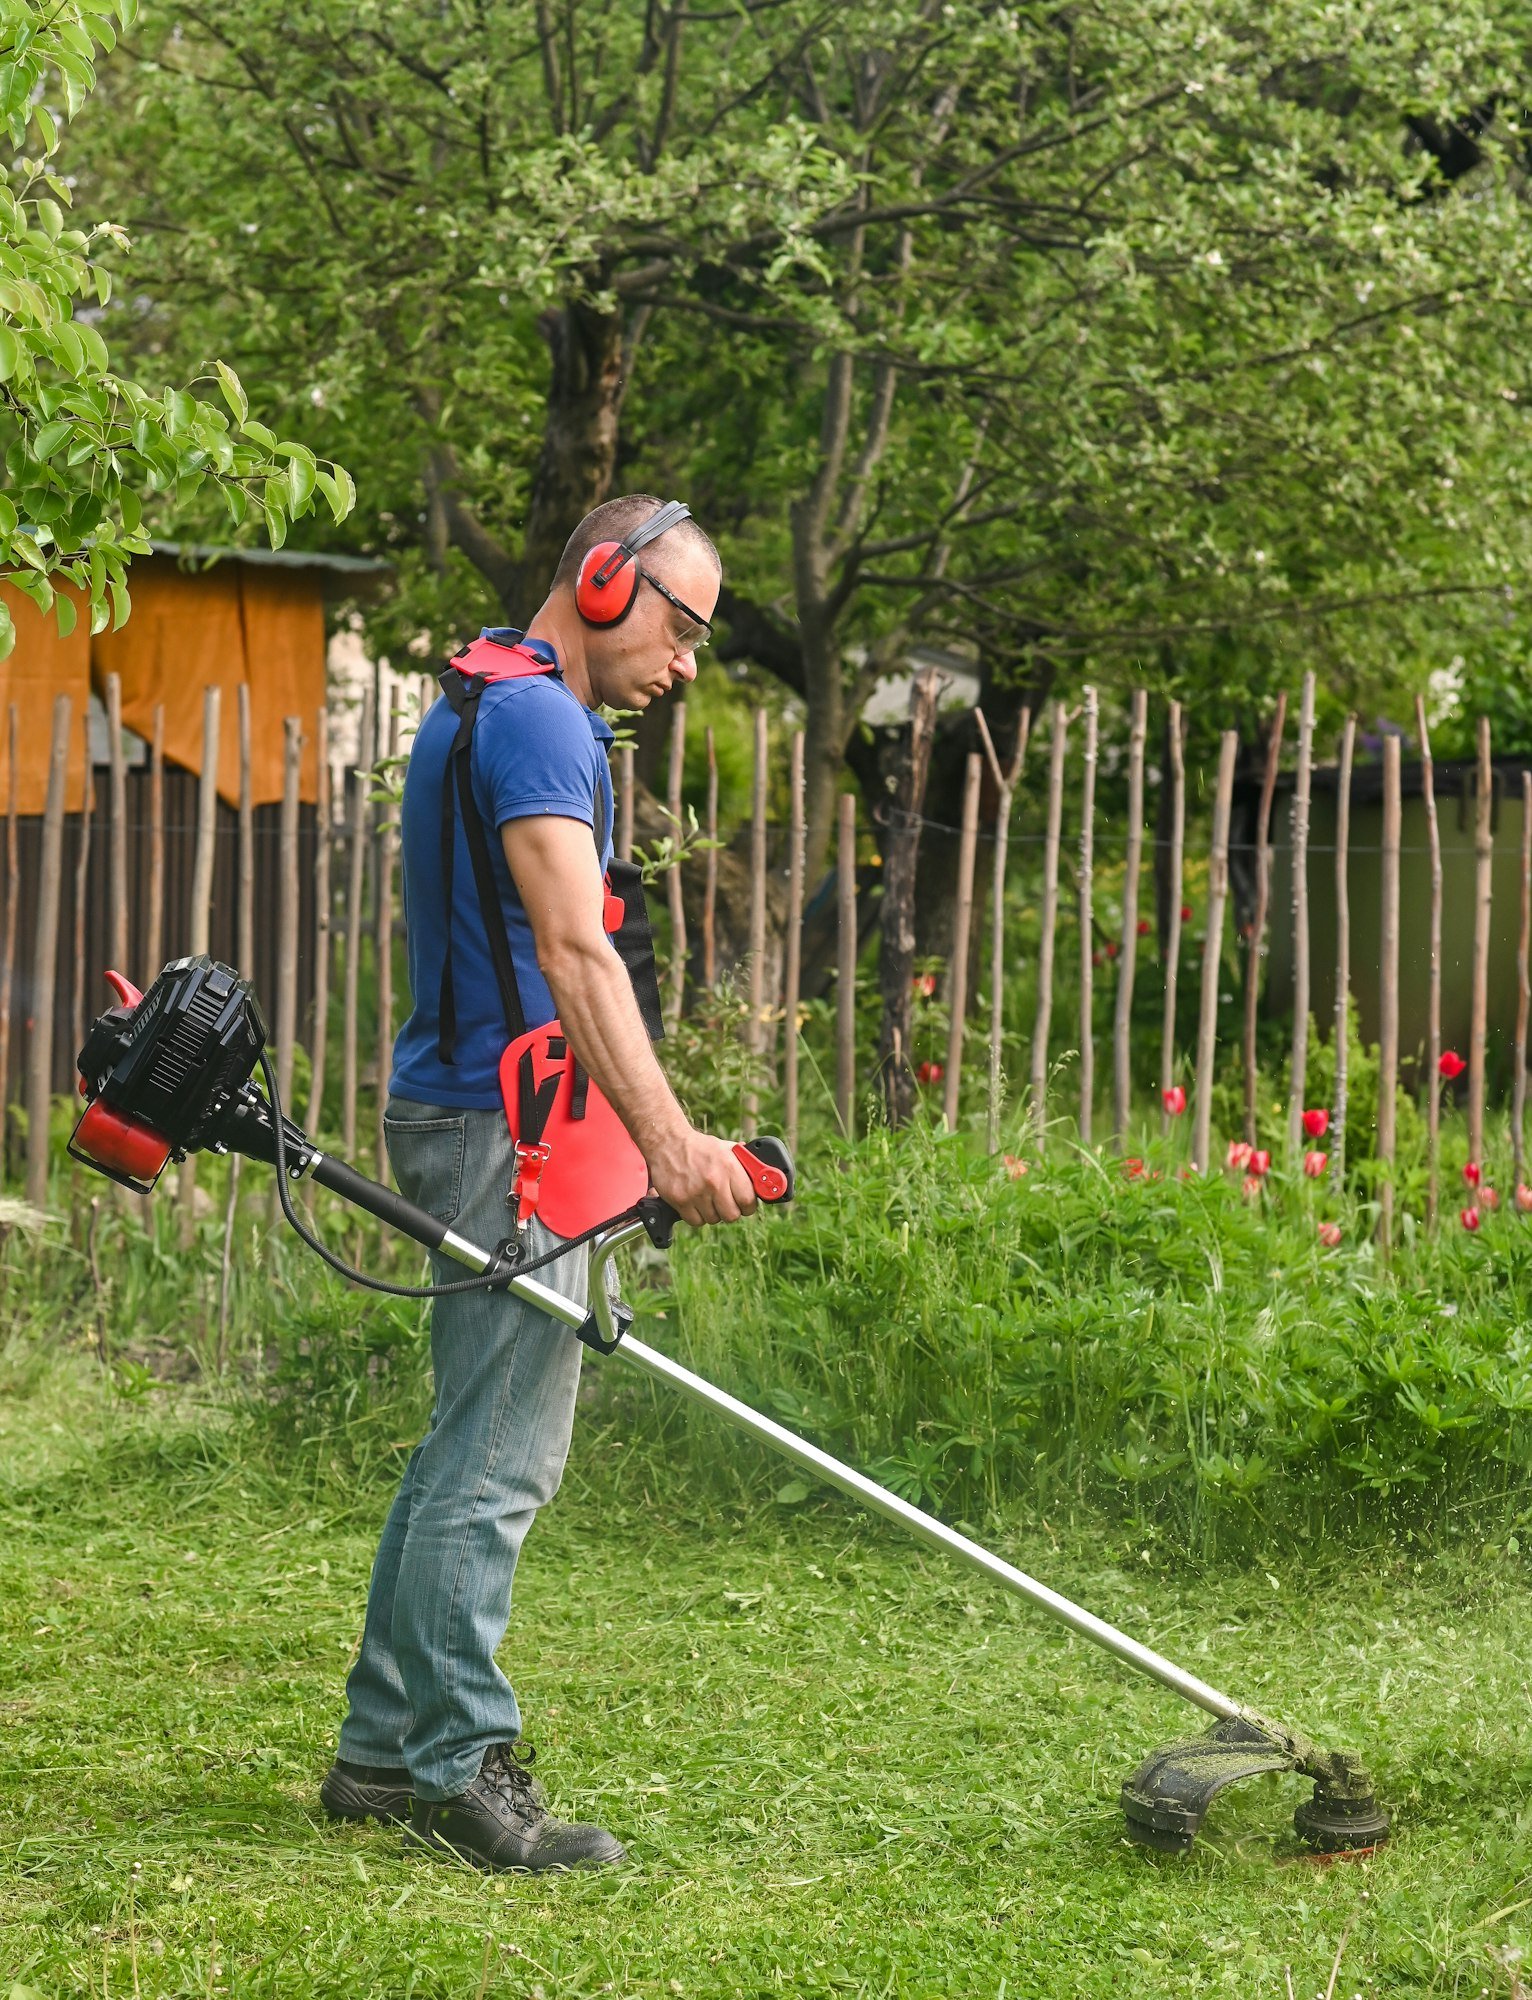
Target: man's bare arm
{"points": [[553, 864]]}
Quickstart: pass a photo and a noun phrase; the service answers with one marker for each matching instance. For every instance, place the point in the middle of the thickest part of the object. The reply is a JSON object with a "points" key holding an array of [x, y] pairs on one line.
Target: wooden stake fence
{"points": [[356, 862], [710, 874], [1177, 734], [1484, 854], [1262, 907], [322, 838], [845, 994], [1434, 988], [1127, 958], [45, 960], [154, 954], [1087, 917], [1388, 993], [200, 924], [1298, 1074], [1342, 941], [673, 875], [968, 841], [80, 998], [1212, 952], [1006, 781], [1050, 917], [793, 974], [117, 943]]}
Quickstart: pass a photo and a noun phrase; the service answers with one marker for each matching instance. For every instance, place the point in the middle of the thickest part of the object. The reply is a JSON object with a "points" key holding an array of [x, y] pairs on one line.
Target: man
{"points": [[432, 1726]]}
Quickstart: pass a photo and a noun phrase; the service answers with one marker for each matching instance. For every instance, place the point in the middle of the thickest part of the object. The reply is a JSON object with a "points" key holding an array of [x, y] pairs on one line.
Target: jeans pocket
{"points": [[427, 1159]]}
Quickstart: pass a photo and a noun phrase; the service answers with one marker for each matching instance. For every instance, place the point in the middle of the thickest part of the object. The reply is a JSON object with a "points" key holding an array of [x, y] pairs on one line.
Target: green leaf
{"points": [[300, 483], [233, 391], [50, 217], [50, 437], [95, 346], [122, 604], [64, 612], [237, 502], [346, 488], [47, 130], [8, 517], [7, 641], [10, 354], [793, 1494]]}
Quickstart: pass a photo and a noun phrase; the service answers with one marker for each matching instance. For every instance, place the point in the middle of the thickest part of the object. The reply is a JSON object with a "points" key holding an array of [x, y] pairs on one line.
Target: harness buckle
{"points": [[526, 1181]]}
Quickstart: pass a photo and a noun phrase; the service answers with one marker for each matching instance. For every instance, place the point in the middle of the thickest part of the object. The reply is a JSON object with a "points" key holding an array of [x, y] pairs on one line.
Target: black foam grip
{"points": [[380, 1201]]}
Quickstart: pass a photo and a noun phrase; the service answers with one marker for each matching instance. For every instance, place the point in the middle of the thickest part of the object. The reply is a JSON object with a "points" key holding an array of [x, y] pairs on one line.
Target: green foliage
{"points": [[84, 446]]}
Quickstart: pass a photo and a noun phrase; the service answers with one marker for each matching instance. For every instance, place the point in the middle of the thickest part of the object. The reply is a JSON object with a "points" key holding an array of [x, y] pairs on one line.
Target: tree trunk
{"points": [[901, 849]]}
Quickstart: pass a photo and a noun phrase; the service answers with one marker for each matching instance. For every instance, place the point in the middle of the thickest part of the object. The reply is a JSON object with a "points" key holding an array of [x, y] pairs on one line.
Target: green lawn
{"points": [[840, 1765]]}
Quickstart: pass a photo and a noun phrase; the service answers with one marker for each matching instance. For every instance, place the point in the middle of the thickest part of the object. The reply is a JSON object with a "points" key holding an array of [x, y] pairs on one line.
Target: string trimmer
{"points": [[171, 1073]]}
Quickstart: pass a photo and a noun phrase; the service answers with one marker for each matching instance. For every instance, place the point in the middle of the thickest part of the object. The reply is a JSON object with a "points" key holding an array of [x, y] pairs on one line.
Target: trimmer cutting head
{"points": [[1167, 1798]]}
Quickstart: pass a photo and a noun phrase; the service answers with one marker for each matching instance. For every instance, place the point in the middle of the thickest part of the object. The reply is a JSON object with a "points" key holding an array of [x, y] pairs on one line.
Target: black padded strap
{"points": [[534, 1101], [464, 699]]}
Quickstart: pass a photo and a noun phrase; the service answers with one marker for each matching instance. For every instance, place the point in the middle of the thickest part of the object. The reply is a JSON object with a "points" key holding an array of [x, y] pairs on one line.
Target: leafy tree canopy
{"points": [[83, 445]]}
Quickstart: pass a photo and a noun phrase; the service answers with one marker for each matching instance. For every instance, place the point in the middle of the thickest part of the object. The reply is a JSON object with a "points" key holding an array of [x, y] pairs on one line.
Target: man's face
{"points": [[656, 645]]}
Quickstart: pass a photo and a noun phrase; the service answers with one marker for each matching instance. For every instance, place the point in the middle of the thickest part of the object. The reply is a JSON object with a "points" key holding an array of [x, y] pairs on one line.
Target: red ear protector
{"points": [[608, 579]]}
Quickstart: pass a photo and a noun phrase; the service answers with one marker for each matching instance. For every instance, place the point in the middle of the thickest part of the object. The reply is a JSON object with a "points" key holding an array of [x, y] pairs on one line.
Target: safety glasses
{"points": [[693, 636]]}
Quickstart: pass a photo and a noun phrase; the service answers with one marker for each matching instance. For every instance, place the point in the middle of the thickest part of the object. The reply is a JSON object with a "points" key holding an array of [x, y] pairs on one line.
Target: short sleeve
{"points": [[533, 753]]}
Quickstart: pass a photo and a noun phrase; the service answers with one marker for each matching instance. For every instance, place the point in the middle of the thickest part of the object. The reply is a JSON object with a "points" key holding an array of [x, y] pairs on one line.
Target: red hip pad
{"points": [[593, 1169]]}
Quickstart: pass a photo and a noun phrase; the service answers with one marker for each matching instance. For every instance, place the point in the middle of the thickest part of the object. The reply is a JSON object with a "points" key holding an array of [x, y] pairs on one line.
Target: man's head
{"points": [[675, 589]]}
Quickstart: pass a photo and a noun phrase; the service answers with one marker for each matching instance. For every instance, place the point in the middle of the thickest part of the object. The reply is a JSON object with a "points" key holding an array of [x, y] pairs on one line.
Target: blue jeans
{"points": [[425, 1692]]}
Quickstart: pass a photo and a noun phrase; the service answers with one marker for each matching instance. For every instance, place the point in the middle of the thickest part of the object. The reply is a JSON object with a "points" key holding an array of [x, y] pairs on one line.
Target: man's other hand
{"points": [[702, 1180]]}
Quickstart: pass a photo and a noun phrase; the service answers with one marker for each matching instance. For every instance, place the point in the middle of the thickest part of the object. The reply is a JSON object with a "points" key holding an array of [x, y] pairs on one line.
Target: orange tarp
{"points": [[41, 667], [223, 626]]}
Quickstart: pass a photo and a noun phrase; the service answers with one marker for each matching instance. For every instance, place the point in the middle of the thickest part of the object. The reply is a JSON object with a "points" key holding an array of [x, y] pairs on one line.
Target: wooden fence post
{"points": [[117, 868], [957, 988], [1388, 993], [45, 960], [1434, 989], [1127, 961], [757, 1036], [793, 977], [1177, 735], [1086, 887], [387, 848], [1302, 793], [710, 872], [673, 877], [845, 994], [1484, 856], [200, 927], [154, 944], [244, 917], [1005, 784], [1050, 918], [1343, 940], [356, 863], [901, 853], [625, 803], [8, 946], [320, 1046], [1523, 989], [80, 997], [1212, 952], [287, 910], [1262, 906]]}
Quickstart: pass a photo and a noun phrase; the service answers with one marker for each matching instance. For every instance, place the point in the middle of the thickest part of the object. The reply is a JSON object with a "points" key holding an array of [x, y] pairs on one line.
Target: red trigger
{"points": [[127, 993], [612, 912]]}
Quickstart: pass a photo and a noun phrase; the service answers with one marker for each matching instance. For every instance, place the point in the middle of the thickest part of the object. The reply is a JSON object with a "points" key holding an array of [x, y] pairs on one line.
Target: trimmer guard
{"points": [[1167, 1798]]}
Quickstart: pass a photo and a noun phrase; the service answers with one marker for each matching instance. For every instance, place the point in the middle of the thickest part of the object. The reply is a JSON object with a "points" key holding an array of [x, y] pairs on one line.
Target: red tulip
{"points": [[1469, 1217], [1330, 1234], [1314, 1164], [1260, 1161], [1451, 1065], [1316, 1123], [1489, 1198], [924, 983], [1472, 1173], [1015, 1167], [1239, 1153], [1524, 1197], [1174, 1100], [1143, 927], [1252, 1186], [930, 1072], [1186, 913], [1133, 1169]]}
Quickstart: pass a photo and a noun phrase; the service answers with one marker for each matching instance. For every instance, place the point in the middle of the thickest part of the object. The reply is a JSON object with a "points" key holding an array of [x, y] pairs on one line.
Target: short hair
{"points": [[614, 519]]}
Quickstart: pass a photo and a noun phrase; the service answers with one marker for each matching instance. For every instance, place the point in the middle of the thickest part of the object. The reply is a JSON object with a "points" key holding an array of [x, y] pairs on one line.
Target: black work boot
{"points": [[366, 1791], [501, 1822]]}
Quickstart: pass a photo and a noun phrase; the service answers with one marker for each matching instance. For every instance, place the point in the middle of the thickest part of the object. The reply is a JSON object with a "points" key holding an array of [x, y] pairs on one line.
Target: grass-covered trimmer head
{"points": [[1167, 1798]]}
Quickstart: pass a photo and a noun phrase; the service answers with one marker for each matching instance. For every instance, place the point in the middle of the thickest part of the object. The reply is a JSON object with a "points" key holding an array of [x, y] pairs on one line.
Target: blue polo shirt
{"points": [[536, 749]]}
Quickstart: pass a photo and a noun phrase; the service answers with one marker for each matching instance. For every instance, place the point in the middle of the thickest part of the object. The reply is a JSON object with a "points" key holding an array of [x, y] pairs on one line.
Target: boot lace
{"points": [[507, 1771]]}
